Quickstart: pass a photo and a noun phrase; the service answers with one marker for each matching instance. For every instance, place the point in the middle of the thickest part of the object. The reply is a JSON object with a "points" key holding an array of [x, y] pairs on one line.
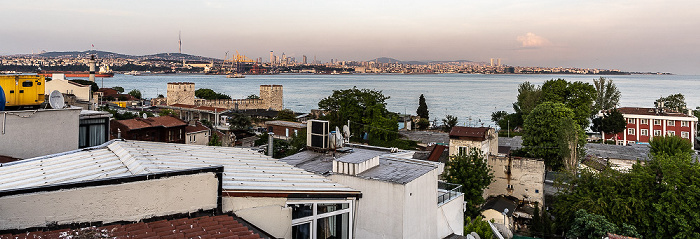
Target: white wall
{"points": [[380, 211], [131, 201], [420, 217], [29, 133], [267, 213], [65, 87], [450, 217]]}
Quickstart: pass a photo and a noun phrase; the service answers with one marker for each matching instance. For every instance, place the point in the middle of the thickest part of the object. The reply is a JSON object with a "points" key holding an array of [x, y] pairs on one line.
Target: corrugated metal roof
{"points": [[390, 169], [245, 170]]}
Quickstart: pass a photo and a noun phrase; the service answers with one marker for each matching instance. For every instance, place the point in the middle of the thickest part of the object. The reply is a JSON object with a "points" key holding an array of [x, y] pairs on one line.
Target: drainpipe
{"points": [[270, 142]]}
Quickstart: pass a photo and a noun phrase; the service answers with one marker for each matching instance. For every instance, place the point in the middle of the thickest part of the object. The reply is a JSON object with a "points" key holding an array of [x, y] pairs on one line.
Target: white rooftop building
{"points": [[266, 192]]}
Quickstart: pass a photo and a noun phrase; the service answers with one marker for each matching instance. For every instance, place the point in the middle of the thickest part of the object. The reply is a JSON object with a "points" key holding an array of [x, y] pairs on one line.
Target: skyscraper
{"points": [[304, 56], [272, 57]]}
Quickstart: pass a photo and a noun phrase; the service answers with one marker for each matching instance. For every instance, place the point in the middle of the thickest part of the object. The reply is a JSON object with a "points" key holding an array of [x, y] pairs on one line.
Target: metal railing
{"points": [[448, 191]]}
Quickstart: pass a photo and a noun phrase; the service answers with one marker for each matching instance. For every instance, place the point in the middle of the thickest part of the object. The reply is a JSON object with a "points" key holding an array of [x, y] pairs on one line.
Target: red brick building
{"points": [[645, 123], [157, 129]]}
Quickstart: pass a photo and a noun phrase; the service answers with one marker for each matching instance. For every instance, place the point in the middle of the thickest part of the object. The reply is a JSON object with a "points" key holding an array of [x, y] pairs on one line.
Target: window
{"points": [[671, 133], [630, 131], [685, 135], [644, 132], [671, 123], [463, 150], [322, 219], [657, 122], [93, 132], [657, 132], [684, 123], [630, 121], [644, 121], [27, 84]]}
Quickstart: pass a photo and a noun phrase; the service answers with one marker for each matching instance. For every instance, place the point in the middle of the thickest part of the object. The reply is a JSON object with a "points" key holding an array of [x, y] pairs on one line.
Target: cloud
{"points": [[530, 40]]}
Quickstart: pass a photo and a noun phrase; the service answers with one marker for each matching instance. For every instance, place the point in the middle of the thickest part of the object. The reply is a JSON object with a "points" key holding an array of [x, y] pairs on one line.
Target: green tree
{"points": [[209, 94], [473, 173], [479, 226], [577, 96], [422, 110], [541, 138], [658, 198], [135, 93], [119, 89], [238, 121], [669, 145], [612, 122], [675, 102], [607, 95], [214, 140], [365, 109], [423, 123], [253, 97], [529, 96], [164, 112], [448, 123], [286, 115], [590, 226]]}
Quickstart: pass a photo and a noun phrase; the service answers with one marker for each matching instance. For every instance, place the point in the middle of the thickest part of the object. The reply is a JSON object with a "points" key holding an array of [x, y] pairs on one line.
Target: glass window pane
{"points": [[335, 227], [330, 207], [302, 231], [302, 210]]}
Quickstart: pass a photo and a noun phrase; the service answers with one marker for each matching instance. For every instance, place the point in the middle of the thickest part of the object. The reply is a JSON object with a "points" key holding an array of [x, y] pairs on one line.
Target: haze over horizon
{"points": [[654, 36]]}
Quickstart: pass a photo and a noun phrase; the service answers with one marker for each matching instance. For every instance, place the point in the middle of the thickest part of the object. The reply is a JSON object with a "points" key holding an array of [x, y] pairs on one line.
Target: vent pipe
{"points": [[270, 144]]}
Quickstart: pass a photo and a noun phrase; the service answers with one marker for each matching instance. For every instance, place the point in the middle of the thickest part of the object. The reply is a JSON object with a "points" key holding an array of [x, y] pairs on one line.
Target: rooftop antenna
{"points": [[179, 40]]}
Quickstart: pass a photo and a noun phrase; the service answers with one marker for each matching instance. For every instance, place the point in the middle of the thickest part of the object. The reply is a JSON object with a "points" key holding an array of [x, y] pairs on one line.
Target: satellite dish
{"points": [[346, 131], [56, 100], [145, 116]]}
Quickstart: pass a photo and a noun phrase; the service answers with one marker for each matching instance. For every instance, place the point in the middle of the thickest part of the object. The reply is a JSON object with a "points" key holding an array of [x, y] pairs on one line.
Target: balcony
{"points": [[448, 191]]}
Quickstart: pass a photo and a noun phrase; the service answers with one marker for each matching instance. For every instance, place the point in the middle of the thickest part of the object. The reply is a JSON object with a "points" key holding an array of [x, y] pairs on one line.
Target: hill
{"points": [[106, 54]]}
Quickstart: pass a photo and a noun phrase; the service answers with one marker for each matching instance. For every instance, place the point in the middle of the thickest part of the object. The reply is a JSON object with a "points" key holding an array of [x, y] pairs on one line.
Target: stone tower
{"points": [[271, 96], [181, 93]]}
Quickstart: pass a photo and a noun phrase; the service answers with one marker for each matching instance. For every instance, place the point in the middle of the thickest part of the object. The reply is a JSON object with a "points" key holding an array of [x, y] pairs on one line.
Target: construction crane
{"points": [[238, 61]]}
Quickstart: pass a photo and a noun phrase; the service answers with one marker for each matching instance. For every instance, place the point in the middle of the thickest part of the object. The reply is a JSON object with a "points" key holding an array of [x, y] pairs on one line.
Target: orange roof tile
{"points": [[162, 121], [471, 132], [199, 227]]}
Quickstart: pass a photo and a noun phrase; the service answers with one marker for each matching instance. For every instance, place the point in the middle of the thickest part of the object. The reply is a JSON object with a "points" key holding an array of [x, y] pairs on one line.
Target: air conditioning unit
{"points": [[317, 133]]}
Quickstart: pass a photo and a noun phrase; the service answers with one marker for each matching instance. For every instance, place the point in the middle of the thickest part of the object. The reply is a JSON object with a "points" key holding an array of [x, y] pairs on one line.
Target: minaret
{"points": [[91, 64]]}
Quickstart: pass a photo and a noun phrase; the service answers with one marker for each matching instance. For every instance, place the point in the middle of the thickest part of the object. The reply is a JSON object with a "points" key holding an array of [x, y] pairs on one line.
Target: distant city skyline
{"points": [[656, 36]]}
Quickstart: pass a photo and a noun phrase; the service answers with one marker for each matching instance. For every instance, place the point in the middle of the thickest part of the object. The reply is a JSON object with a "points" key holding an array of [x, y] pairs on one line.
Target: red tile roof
{"points": [[162, 121], [649, 111], [207, 108], [470, 132], [197, 128], [222, 226], [436, 153]]}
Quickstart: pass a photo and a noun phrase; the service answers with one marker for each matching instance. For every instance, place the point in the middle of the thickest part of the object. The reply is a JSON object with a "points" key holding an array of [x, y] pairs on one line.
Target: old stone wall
{"points": [[522, 178], [271, 97]]}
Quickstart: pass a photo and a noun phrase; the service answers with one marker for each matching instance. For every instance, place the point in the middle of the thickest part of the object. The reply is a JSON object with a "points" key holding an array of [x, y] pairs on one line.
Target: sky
{"points": [[640, 35]]}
